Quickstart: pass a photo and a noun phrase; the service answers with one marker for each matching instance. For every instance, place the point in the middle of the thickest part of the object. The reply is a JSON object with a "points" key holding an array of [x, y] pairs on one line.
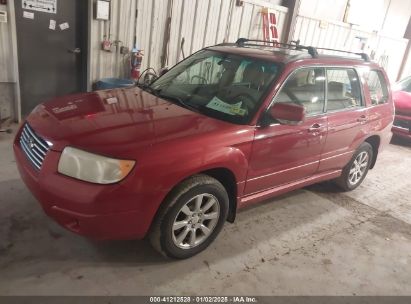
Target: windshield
{"points": [[220, 85]]}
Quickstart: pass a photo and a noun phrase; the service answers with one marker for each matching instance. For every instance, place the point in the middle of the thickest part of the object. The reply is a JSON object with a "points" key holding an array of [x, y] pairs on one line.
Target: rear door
{"points": [[381, 108], [284, 153], [347, 117]]}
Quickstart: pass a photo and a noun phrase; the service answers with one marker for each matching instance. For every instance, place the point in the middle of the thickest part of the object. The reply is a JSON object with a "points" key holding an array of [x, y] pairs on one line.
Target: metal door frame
{"points": [[17, 101], [17, 90]]}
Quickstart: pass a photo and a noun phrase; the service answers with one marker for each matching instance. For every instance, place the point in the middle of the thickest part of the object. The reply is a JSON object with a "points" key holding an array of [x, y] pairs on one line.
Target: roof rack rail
{"points": [[364, 56], [294, 45]]}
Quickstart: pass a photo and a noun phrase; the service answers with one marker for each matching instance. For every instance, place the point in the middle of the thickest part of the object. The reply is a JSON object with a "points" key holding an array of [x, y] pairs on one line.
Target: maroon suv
{"points": [[227, 127]]}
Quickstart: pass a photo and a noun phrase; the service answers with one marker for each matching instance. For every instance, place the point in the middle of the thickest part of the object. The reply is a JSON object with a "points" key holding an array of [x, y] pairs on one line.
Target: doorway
{"points": [[52, 49]]}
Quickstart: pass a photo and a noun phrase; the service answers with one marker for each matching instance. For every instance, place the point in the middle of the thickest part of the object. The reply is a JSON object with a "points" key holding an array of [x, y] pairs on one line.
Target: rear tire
{"points": [[356, 170], [192, 217]]}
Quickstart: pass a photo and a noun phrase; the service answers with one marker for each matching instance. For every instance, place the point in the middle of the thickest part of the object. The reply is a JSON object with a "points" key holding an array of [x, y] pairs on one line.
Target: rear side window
{"points": [[378, 87], [305, 87], [344, 90]]}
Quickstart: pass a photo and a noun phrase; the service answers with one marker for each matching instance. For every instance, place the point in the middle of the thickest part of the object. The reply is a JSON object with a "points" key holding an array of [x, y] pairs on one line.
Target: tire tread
{"points": [[155, 236]]}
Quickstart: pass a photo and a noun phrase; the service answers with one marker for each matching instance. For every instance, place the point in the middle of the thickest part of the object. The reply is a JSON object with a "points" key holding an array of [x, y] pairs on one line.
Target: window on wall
{"points": [[372, 20], [305, 87], [378, 87], [344, 90]]}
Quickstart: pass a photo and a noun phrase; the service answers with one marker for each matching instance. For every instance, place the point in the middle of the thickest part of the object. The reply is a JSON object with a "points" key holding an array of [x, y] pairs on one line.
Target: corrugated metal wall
{"points": [[392, 51], [200, 22], [387, 51], [6, 54], [8, 77]]}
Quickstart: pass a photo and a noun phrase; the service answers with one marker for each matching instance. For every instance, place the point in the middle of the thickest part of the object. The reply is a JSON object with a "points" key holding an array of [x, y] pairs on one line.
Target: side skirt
{"points": [[259, 196]]}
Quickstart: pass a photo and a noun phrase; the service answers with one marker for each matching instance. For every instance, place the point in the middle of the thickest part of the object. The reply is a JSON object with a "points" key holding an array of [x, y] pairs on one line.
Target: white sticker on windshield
{"points": [[221, 106]]}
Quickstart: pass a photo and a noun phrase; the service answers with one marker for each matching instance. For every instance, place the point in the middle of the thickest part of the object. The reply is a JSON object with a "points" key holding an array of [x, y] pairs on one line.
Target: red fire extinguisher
{"points": [[136, 59]]}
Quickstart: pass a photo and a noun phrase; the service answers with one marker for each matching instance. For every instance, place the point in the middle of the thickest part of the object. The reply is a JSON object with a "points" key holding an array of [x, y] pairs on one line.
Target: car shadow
{"points": [[329, 187], [400, 141], [32, 243]]}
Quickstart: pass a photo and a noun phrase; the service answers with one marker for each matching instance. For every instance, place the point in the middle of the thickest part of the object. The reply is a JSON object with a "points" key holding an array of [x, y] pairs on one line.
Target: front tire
{"points": [[356, 170], [192, 217]]}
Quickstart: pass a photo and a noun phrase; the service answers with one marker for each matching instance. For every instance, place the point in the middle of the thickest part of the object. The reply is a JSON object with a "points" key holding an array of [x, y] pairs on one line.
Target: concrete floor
{"points": [[314, 241]]}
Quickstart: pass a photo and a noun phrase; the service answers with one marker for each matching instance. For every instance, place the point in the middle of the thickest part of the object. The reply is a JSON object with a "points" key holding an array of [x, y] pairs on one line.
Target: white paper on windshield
{"points": [[221, 106]]}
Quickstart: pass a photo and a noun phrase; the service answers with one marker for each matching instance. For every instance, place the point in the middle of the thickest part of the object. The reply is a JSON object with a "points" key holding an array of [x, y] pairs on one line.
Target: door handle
{"points": [[75, 51], [362, 118], [315, 128]]}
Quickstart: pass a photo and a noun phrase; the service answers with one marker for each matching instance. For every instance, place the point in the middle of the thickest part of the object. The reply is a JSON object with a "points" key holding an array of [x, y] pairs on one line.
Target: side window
{"points": [[238, 78], [378, 87], [344, 90], [254, 74], [207, 71], [305, 87]]}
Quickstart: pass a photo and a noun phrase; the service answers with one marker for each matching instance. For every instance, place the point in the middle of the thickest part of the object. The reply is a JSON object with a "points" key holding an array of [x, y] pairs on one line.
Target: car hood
{"points": [[402, 102], [117, 122]]}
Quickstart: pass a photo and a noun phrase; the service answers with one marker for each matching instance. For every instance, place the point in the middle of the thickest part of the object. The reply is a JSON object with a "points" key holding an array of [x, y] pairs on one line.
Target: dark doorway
{"points": [[51, 62]]}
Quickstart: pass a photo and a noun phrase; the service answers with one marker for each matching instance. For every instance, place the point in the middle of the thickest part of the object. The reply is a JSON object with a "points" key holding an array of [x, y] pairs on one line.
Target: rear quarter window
{"points": [[378, 87], [344, 90]]}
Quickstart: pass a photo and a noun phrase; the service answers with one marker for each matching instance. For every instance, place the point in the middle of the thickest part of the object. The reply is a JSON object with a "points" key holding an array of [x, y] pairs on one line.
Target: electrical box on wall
{"points": [[3, 17], [102, 10]]}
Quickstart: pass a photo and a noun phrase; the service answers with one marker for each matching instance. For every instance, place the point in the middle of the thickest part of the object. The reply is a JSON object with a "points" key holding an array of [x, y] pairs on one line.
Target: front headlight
{"points": [[93, 168]]}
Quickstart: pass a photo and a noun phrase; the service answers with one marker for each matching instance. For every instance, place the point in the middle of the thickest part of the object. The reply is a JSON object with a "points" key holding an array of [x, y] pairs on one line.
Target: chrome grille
{"points": [[33, 146]]}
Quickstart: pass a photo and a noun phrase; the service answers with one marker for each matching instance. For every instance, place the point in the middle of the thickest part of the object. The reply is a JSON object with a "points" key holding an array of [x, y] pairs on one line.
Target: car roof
{"points": [[286, 56]]}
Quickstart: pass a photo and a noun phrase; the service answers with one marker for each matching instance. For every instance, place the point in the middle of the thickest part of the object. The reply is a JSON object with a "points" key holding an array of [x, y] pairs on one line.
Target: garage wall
{"points": [[388, 51], [389, 16], [200, 22], [8, 77], [327, 9], [397, 15], [6, 66]]}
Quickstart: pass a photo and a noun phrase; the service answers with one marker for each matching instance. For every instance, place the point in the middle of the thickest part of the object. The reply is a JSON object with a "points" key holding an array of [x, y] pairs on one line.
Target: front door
{"points": [[52, 49], [284, 153]]}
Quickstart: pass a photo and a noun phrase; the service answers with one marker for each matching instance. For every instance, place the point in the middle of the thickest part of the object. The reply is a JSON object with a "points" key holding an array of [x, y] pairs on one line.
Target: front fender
{"points": [[164, 166], [173, 168]]}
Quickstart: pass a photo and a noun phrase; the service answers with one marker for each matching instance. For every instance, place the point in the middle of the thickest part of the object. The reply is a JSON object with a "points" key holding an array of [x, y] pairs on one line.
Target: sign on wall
{"points": [[45, 6], [3, 16]]}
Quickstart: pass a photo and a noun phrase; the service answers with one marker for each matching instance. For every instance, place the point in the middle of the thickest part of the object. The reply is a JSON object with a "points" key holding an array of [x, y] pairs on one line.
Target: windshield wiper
{"points": [[148, 88], [178, 100], [157, 92]]}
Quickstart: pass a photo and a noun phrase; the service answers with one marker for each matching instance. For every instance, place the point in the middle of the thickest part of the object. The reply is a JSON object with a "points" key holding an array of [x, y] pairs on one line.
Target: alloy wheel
{"points": [[358, 168], [195, 221]]}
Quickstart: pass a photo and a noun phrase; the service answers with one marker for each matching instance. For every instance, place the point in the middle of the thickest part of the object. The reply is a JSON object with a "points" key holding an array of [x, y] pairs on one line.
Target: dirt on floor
{"points": [[313, 241]]}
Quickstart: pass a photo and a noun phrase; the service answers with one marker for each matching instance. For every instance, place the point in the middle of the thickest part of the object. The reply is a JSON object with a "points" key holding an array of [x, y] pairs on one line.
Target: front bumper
{"points": [[402, 126], [96, 211]]}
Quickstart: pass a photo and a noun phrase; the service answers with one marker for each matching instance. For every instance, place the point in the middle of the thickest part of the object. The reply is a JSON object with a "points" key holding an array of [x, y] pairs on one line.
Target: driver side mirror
{"points": [[287, 113]]}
